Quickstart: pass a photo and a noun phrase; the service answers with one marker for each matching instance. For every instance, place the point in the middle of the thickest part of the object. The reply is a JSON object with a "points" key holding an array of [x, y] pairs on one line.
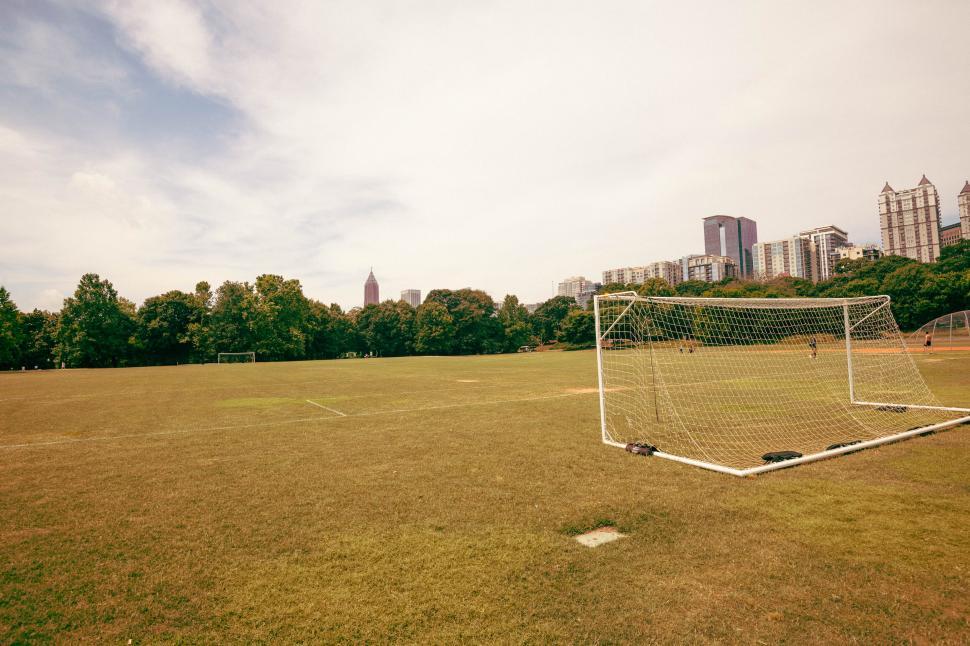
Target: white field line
{"points": [[260, 387], [209, 429], [326, 408]]}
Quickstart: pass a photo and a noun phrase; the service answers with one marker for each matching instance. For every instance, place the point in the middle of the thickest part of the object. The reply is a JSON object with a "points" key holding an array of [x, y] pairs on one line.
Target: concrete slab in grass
{"points": [[599, 536]]}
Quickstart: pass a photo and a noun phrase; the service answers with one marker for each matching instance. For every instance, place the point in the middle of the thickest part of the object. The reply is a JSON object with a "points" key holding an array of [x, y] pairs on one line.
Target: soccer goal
{"points": [[236, 357], [744, 386]]}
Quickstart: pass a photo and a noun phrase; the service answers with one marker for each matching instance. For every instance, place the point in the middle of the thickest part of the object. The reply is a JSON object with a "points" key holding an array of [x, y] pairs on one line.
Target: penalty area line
{"points": [[326, 408]]}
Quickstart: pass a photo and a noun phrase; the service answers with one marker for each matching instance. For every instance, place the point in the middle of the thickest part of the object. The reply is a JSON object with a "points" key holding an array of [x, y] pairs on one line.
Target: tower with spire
{"points": [[372, 291], [910, 221], [963, 201]]}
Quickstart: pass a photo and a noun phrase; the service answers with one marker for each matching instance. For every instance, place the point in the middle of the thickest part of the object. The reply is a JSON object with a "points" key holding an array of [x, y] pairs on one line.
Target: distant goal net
{"points": [[744, 386], [236, 357]]}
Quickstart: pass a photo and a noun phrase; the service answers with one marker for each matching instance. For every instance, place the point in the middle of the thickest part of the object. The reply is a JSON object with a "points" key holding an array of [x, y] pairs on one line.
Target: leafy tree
{"points": [[199, 332], [39, 339], [434, 329], [232, 319], [280, 320], [11, 333], [578, 328], [955, 258], [550, 314], [919, 294], [387, 329], [692, 288], [517, 329], [95, 326], [329, 333], [476, 329], [167, 327], [655, 287]]}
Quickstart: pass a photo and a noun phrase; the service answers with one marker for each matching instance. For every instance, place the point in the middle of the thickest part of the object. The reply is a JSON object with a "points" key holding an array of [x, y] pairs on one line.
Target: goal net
{"points": [[236, 357], [743, 386]]}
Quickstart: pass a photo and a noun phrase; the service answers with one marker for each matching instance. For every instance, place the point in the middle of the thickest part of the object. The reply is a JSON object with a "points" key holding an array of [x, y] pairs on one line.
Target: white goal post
{"points": [[236, 357], [748, 385]]}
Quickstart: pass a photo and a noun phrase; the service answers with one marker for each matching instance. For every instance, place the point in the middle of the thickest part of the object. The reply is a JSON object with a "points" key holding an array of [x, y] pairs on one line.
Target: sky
{"points": [[497, 145]]}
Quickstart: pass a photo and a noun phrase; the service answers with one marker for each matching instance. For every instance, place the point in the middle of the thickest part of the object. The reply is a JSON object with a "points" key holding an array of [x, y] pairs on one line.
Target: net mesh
{"points": [[236, 357], [727, 380]]}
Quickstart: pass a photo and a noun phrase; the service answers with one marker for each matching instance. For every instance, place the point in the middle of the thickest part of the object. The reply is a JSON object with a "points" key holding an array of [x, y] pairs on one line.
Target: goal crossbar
{"points": [[671, 375]]}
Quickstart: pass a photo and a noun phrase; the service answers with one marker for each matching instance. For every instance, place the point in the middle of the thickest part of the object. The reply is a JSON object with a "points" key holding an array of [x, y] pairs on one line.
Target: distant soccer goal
{"points": [[949, 330], [744, 386], [236, 357]]}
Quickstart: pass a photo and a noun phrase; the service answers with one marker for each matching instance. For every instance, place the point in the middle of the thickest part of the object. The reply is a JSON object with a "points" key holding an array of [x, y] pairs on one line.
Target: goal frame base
{"points": [[821, 455]]}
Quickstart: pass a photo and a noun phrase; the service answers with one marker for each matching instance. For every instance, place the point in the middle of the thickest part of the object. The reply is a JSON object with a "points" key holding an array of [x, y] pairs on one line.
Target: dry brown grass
{"points": [[214, 503]]}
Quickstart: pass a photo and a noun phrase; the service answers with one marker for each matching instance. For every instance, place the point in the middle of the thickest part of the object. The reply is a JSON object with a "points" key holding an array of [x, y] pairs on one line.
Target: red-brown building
{"points": [[950, 234], [372, 291]]}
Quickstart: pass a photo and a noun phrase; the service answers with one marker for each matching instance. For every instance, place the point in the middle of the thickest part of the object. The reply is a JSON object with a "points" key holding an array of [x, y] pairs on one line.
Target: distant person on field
{"points": [[928, 343], [813, 344]]}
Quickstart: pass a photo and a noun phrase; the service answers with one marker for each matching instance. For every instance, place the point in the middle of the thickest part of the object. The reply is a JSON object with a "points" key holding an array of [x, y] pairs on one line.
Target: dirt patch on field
{"points": [[467, 381]]}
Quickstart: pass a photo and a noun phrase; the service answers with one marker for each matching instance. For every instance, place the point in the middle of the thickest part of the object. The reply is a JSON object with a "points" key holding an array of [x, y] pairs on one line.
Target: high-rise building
{"points": [[372, 291], [412, 297], [963, 201], [708, 268], [574, 286], [950, 234], [827, 239], [910, 221], [731, 237], [796, 257], [855, 251], [665, 269]]}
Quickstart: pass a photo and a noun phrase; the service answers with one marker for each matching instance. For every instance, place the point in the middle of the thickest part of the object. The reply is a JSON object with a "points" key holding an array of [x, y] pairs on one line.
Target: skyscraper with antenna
{"points": [[372, 291]]}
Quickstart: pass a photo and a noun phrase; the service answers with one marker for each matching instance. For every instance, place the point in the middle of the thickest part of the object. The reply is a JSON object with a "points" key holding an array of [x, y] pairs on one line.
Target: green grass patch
{"points": [[197, 504]]}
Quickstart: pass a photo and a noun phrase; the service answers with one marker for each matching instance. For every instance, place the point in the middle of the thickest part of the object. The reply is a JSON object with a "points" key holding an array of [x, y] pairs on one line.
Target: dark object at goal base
{"points": [[640, 448], [780, 456], [841, 444], [892, 409]]}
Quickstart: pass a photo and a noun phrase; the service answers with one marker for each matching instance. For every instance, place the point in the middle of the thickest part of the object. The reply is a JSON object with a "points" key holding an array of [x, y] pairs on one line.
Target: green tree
{"points": [[39, 339], [655, 287], [578, 328], [165, 327], [434, 329], [330, 331], [516, 326], [95, 326], [919, 294], [281, 317], [476, 329], [232, 318], [954, 259], [387, 329], [11, 333], [550, 314]]}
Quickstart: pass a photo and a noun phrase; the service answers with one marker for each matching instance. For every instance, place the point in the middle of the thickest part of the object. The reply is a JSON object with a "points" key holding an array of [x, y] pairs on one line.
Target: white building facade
{"points": [[574, 286], [708, 268], [827, 239], [796, 257], [411, 296], [910, 221]]}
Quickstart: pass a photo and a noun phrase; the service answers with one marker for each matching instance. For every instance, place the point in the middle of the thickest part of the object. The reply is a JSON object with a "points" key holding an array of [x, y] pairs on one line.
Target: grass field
{"points": [[434, 500]]}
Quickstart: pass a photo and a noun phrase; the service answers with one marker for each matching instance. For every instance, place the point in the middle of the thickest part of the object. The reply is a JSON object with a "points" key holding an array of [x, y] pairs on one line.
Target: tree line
{"points": [[273, 318]]}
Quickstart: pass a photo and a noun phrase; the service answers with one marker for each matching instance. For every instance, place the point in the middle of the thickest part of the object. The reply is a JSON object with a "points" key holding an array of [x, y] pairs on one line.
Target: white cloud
{"points": [[501, 145]]}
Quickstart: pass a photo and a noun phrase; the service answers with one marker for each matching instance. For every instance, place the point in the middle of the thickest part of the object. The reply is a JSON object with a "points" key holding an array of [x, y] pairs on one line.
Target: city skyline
{"points": [[160, 144]]}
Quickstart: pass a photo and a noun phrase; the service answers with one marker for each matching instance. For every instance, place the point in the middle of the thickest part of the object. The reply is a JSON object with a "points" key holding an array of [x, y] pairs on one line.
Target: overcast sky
{"points": [[497, 145]]}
